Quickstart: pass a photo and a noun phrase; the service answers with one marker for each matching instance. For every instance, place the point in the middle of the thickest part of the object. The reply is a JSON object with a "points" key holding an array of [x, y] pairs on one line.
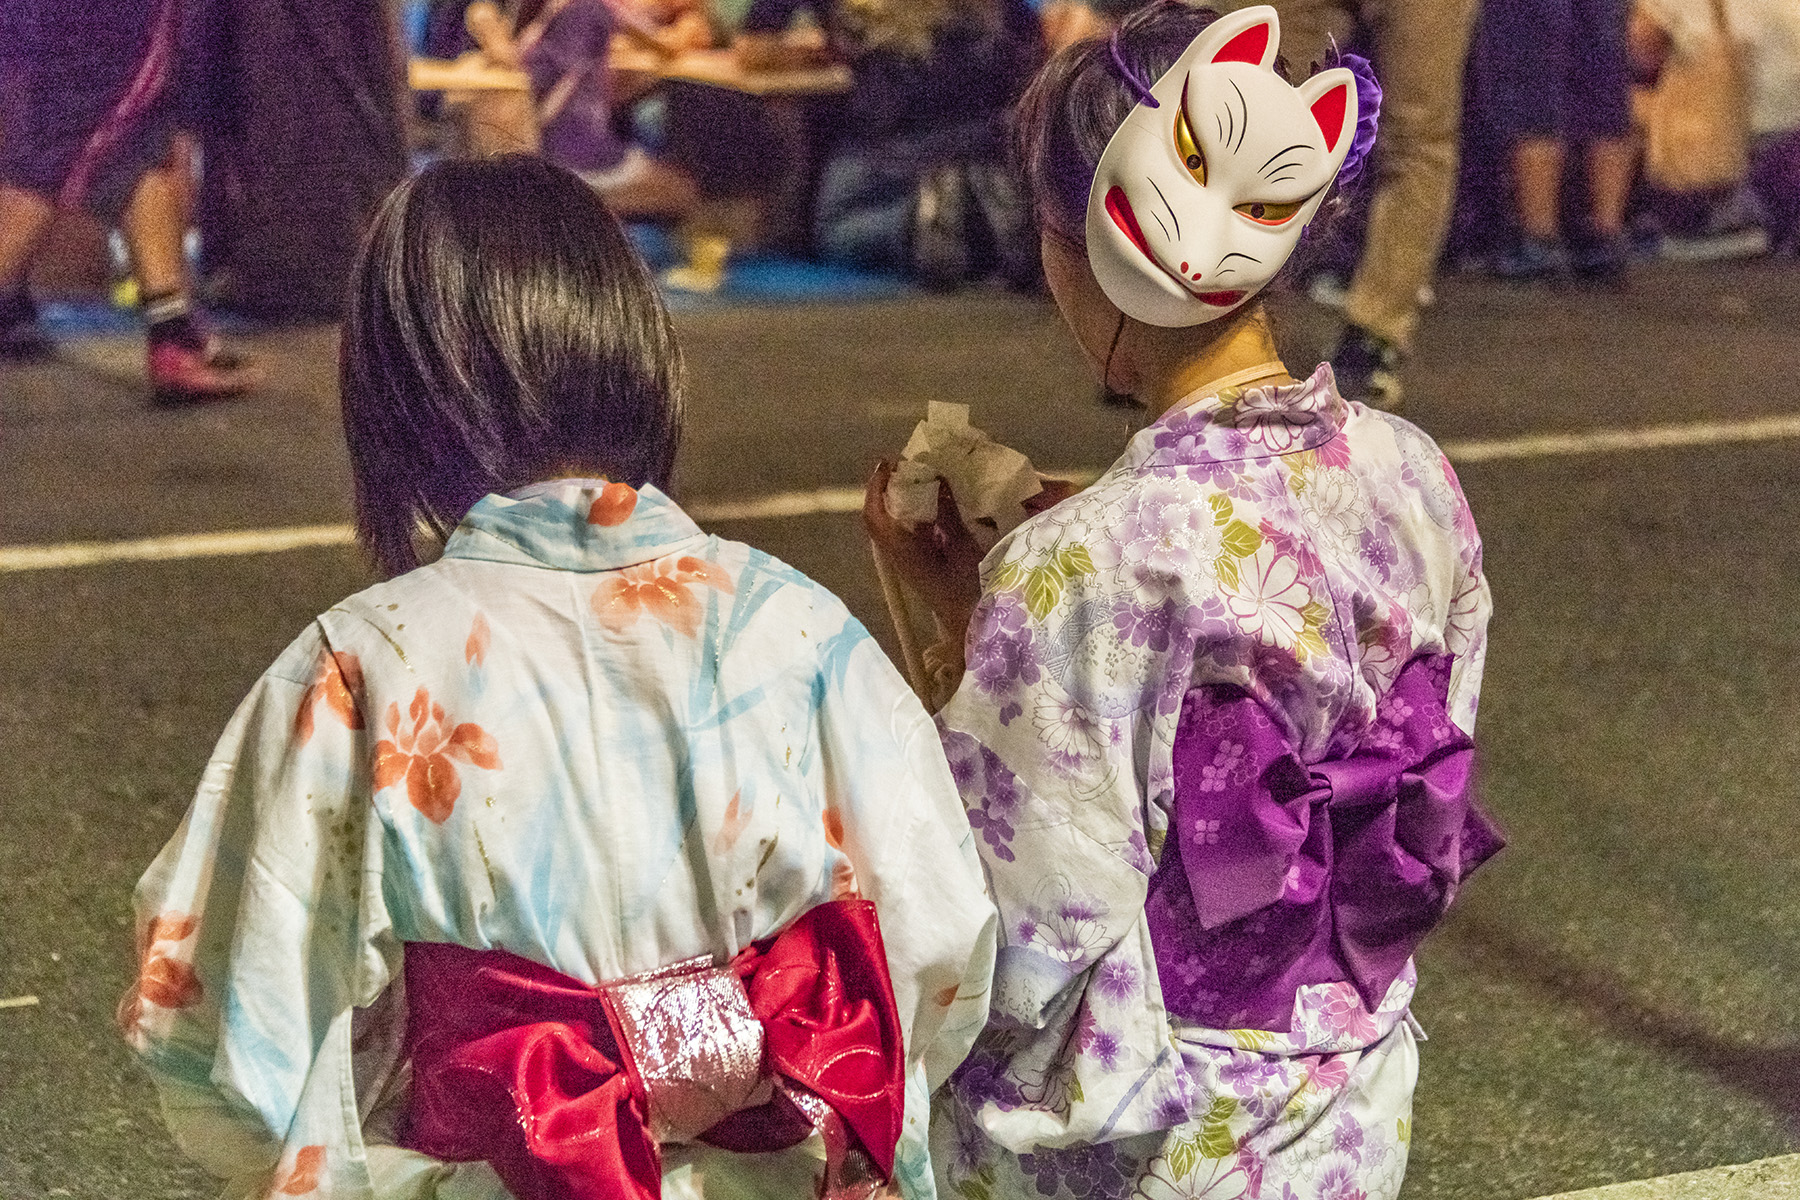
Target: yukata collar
{"points": [[573, 525], [1237, 423]]}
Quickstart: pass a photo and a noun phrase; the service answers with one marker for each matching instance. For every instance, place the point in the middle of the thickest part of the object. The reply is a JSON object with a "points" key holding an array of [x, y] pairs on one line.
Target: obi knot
{"points": [[1277, 873], [570, 1090]]}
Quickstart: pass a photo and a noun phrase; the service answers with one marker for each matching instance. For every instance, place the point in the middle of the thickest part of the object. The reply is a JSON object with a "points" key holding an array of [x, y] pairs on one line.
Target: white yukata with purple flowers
{"points": [[1276, 539]]}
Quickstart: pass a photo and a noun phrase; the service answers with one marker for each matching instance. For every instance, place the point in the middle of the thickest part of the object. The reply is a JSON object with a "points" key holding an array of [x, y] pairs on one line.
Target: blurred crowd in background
{"points": [[1540, 140]]}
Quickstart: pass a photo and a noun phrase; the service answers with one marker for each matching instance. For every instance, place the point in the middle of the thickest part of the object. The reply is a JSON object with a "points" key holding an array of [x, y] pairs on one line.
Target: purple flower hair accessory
{"points": [[1137, 85], [1368, 112]]}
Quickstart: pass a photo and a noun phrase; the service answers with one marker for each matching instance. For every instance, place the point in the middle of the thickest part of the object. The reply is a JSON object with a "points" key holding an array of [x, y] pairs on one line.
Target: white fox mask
{"points": [[1198, 201]]}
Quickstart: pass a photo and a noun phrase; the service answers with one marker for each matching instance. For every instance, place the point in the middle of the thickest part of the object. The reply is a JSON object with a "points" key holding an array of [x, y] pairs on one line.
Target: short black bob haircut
{"points": [[501, 331]]}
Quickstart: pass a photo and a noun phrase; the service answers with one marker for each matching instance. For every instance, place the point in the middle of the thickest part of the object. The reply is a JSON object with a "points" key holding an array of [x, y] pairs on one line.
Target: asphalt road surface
{"points": [[1615, 996]]}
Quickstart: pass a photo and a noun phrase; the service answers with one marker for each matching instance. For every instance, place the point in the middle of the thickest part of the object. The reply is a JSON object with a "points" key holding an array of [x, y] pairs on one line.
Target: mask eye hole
{"points": [[1186, 146], [1265, 213]]}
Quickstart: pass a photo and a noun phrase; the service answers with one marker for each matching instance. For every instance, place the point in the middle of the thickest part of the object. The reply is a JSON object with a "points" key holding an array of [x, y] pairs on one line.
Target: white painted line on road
{"points": [[186, 545], [1765, 1179], [822, 501], [782, 504], [1702, 433]]}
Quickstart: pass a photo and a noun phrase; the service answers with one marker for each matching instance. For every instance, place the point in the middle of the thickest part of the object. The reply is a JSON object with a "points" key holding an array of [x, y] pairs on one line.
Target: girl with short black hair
{"points": [[595, 855]]}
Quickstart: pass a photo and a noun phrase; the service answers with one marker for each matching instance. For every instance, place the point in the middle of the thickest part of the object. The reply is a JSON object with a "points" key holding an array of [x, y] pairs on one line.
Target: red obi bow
{"points": [[569, 1090]]}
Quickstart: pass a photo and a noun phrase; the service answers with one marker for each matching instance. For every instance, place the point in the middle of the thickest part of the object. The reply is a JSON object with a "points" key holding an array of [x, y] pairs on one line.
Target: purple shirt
{"points": [[569, 83]]}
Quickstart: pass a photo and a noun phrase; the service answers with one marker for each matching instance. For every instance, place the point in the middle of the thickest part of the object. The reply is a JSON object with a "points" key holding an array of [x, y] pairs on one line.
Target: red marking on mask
{"points": [[1119, 209], [1329, 111], [1220, 299], [1247, 47]]}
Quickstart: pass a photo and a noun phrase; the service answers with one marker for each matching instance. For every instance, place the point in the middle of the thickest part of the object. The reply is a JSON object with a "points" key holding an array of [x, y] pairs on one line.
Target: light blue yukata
{"points": [[591, 735]]}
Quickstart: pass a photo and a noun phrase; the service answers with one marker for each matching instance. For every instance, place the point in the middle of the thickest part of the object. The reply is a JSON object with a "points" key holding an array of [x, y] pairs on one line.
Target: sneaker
{"points": [[1531, 260], [21, 336], [182, 374], [1367, 370], [1602, 259]]}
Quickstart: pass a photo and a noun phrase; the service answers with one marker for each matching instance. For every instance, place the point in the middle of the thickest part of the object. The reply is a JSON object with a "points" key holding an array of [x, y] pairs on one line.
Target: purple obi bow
{"points": [[1276, 874]]}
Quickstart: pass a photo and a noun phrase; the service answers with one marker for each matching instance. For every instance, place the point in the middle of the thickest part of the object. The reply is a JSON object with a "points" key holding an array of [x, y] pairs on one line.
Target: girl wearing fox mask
{"points": [[1214, 721]]}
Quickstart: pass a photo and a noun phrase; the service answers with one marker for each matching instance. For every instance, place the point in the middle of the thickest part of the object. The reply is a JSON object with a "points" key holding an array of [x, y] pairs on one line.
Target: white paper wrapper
{"points": [[990, 482]]}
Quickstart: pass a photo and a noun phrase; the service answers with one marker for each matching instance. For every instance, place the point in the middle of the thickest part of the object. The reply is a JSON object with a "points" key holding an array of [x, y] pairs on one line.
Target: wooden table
{"points": [[715, 68]]}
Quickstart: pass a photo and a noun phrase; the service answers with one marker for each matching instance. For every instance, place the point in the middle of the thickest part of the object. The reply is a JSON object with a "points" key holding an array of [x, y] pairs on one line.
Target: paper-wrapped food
{"points": [[991, 483]]}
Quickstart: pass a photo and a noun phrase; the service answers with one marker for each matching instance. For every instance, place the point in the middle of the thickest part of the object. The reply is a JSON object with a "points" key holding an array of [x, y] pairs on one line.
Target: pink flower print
{"points": [[421, 752], [1206, 833], [338, 684], [1335, 453], [476, 647], [1342, 1014], [1269, 600], [1217, 775], [614, 505], [664, 589], [1325, 1072], [304, 1178]]}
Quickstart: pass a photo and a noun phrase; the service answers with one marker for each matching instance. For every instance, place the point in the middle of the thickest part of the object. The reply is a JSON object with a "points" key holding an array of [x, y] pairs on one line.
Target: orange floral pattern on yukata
{"points": [[304, 1178], [737, 819], [421, 751], [163, 980], [664, 589], [480, 636], [614, 505], [338, 684], [843, 875]]}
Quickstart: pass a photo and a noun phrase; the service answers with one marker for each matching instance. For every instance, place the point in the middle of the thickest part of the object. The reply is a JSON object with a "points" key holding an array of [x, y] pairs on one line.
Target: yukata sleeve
{"points": [[899, 821], [1052, 737], [1471, 606], [261, 930]]}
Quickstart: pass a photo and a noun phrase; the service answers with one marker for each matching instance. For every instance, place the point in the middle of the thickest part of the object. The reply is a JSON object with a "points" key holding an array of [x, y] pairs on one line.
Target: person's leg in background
{"points": [[1775, 177], [91, 124], [25, 219], [1421, 46], [1600, 116], [185, 361], [1529, 46], [27, 207]]}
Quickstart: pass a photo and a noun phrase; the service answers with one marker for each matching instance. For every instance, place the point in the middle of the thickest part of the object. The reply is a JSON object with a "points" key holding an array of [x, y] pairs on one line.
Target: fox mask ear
{"points": [[1256, 43], [1331, 95]]}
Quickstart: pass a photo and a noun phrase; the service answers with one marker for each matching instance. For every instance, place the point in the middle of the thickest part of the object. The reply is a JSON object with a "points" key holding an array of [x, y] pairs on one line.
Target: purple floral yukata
{"points": [[1214, 737]]}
